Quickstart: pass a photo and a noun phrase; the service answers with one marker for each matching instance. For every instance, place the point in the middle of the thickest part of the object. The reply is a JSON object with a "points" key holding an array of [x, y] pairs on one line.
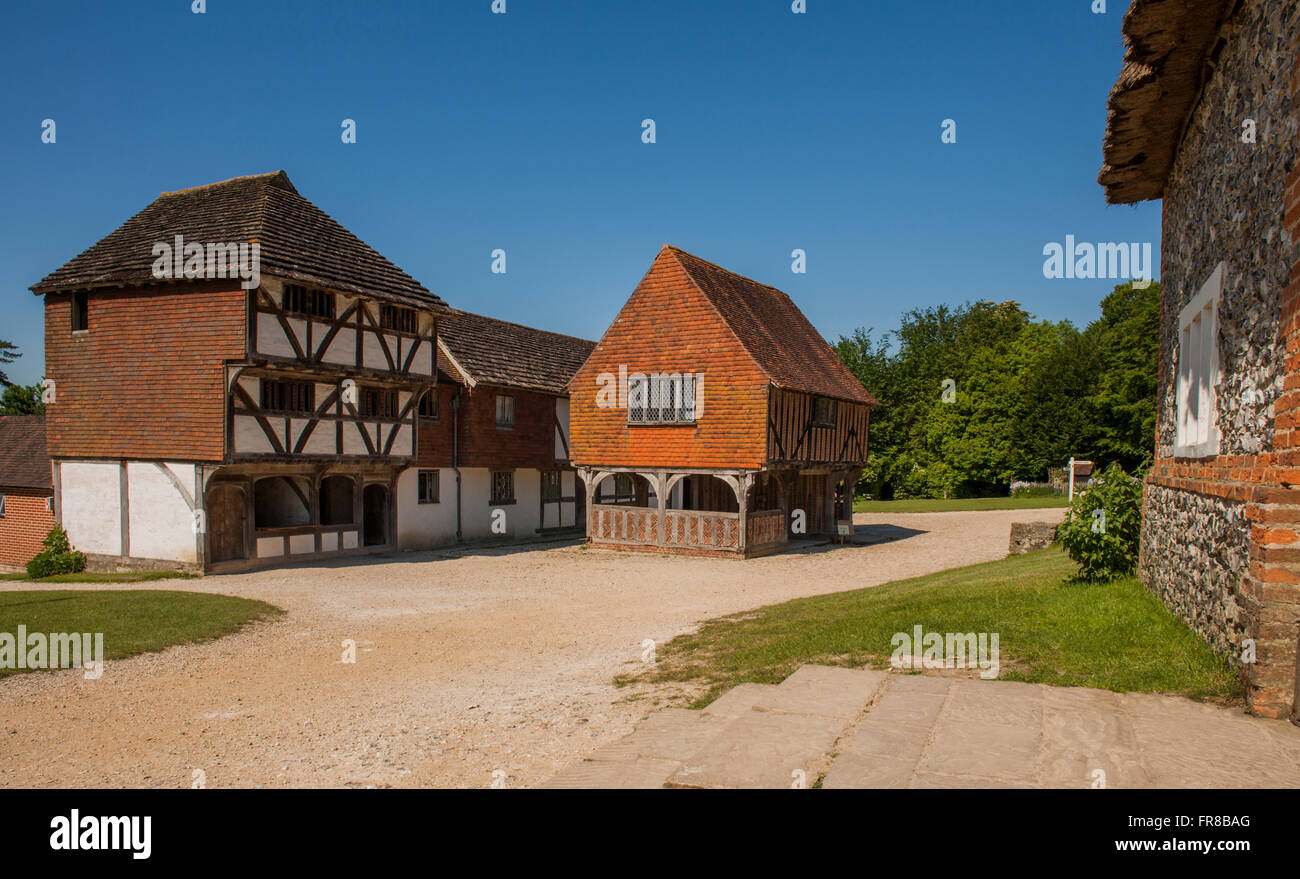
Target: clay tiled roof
{"points": [[774, 332], [24, 462], [299, 242], [497, 352]]}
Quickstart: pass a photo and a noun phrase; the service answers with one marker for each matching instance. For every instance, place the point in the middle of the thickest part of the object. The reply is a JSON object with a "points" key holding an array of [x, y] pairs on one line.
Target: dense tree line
{"points": [[978, 396]]}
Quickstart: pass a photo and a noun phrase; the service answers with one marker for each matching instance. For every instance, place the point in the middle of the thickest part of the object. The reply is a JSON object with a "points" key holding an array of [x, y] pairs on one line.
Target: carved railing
{"points": [[688, 529]]}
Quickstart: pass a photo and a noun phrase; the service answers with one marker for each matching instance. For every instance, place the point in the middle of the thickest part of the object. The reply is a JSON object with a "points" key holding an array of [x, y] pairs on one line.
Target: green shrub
{"points": [[57, 557], [1104, 528]]}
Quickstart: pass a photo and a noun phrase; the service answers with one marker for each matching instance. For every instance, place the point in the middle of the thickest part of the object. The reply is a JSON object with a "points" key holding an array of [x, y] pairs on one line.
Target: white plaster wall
{"points": [[271, 338], [249, 436], [421, 526], [521, 517], [91, 505], [161, 523], [562, 415]]}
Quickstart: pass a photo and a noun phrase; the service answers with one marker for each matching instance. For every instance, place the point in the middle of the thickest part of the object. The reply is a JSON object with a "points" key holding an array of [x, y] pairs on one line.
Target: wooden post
{"points": [[661, 535]]}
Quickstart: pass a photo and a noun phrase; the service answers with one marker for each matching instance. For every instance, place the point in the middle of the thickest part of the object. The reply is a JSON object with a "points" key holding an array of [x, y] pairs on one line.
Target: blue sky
{"points": [[522, 131]]}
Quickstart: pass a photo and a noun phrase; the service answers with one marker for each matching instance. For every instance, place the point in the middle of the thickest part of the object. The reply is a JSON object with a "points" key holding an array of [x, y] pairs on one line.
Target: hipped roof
{"points": [[298, 241]]}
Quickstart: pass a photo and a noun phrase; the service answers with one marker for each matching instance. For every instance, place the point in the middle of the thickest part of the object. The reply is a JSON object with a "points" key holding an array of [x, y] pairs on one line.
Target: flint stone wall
{"points": [[1195, 550], [1224, 202]]}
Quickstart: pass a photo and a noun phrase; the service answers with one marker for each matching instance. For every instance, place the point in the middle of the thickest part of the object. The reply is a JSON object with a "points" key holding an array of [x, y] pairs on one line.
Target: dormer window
{"points": [[394, 317]]}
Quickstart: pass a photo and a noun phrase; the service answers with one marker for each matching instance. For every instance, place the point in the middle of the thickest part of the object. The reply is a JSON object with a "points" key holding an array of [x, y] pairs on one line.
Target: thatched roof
{"points": [[1167, 43]]}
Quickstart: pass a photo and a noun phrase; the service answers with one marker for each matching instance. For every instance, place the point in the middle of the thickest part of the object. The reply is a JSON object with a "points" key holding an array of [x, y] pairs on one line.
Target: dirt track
{"points": [[468, 662]]}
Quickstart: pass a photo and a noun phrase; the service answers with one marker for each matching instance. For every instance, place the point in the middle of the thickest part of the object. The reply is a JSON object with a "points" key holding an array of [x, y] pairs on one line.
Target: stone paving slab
{"points": [[823, 690], [640, 773], [763, 749], [869, 729], [739, 700], [671, 734]]}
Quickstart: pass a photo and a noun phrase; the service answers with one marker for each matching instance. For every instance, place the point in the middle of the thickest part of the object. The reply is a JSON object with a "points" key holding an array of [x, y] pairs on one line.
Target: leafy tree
{"points": [[976, 396], [22, 400], [8, 354]]}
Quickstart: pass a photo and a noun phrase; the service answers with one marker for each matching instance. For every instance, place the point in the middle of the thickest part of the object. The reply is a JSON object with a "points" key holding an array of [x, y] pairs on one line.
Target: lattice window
{"points": [[503, 487], [668, 398]]}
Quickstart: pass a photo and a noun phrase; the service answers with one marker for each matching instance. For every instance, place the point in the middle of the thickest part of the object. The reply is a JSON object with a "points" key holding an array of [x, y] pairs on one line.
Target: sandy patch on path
{"points": [[467, 663]]}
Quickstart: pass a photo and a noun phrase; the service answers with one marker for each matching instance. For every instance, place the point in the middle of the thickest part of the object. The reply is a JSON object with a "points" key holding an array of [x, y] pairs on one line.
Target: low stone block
{"points": [[1028, 536]]}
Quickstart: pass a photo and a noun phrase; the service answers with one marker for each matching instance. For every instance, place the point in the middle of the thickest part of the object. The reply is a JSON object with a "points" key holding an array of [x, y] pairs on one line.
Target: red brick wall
{"points": [[1274, 581], [669, 326], [23, 526], [146, 380], [531, 443]]}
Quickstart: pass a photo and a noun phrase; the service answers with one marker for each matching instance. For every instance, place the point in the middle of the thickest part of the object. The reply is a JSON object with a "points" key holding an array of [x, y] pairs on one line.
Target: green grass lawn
{"points": [[88, 577], [948, 505], [132, 620], [1115, 636]]}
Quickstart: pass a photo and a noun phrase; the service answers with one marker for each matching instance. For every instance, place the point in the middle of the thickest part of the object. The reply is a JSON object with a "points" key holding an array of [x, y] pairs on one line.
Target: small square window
{"points": [[824, 412], [80, 312], [503, 487], [1196, 432], [505, 411], [428, 486]]}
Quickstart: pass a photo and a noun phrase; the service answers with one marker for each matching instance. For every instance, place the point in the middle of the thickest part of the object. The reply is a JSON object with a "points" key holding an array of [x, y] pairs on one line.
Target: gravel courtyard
{"points": [[471, 665]]}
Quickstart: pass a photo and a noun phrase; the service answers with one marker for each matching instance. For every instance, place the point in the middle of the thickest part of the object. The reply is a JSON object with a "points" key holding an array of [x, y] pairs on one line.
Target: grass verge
{"points": [[949, 505], [1115, 636], [89, 577], [133, 621]]}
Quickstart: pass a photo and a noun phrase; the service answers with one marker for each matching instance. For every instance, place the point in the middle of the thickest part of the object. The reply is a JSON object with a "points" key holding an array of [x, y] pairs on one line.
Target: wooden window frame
{"points": [[1196, 430], [510, 424], [368, 397], [556, 476], [424, 478], [828, 418], [80, 322], [308, 302], [398, 318], [283, 398], [432, 400], [495, 499], [662, 399]]}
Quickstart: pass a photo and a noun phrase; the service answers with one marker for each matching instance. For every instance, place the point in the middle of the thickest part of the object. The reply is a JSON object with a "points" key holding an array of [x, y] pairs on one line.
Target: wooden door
{"points": [[226, 523]]}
